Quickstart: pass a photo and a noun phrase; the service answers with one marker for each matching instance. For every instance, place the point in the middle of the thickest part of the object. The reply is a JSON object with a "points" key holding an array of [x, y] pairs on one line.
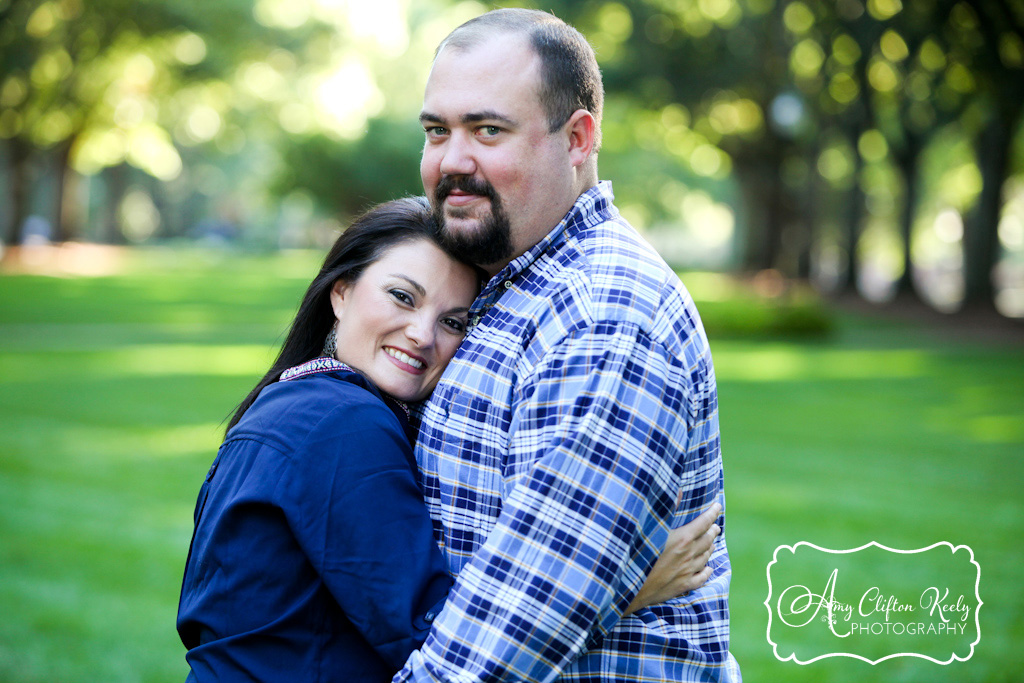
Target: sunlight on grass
{"points": [[289, 264], [997, 428], [33, 337], [157, 360], [175, 442], [153, 360], [775, 363], [980, 412], [112, 392], [107, 446], [706, 286]]}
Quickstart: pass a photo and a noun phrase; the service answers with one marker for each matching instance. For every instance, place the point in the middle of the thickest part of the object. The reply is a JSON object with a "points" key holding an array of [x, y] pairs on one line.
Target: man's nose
{"points": [[457, 158]]}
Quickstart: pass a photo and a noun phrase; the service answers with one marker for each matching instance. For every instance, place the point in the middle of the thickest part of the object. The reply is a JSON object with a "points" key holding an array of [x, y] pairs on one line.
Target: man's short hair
{"points": [[570, 77]]}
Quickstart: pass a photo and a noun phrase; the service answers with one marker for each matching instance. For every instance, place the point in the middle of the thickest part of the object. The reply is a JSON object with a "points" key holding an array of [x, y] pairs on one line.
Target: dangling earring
{"points": [[331, 343]]}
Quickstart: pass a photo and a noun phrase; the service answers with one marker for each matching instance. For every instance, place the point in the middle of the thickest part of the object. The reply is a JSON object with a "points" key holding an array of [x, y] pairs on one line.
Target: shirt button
{"points": [[508, 284]]}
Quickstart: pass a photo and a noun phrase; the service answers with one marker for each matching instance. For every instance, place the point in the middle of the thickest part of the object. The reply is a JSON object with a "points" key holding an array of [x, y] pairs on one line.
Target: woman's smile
{"points": [[407, 362]]}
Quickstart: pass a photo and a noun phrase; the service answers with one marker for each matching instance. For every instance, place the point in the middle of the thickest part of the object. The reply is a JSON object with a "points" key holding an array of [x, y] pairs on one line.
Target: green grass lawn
{"points": [[113, 391]]}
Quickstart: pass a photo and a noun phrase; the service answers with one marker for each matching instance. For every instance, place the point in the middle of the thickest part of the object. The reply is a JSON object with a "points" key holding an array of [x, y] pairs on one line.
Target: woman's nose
{"points": [[421, 332]]}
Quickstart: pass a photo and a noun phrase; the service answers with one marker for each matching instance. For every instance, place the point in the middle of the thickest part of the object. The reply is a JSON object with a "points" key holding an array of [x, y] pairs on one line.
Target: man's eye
{"points": [[490, 131], [436, 131]]}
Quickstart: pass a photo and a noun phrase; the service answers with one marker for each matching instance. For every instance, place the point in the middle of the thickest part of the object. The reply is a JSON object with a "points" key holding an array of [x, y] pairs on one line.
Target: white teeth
{"points": [[405, 358]]}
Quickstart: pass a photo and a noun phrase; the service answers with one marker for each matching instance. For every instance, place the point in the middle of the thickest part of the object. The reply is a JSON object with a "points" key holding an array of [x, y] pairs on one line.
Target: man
{"points": [[581, 402]]}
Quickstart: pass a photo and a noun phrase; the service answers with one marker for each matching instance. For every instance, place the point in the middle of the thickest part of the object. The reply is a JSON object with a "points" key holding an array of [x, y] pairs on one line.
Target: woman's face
{"points": [[402, 320]]}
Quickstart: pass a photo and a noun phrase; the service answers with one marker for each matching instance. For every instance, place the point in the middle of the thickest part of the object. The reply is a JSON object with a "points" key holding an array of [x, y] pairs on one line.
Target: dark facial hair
{"points": [[492, 242]]}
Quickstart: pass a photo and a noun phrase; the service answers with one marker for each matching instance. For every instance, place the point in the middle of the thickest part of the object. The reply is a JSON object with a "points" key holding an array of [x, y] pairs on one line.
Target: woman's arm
{"points": [[683, 565], [361, 521]]}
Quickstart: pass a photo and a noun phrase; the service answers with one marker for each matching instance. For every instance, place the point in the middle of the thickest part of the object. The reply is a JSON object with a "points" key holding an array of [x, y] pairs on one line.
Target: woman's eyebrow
{"points": [[415, 285]]}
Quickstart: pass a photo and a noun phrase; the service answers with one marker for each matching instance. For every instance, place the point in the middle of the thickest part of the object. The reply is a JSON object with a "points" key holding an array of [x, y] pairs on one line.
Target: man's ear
{"points": [[582, 130]]}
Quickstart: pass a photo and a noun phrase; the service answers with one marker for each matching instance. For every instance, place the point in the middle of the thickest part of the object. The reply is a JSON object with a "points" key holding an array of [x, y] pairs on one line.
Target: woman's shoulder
{"points": [[336, 402], [344, 385]]}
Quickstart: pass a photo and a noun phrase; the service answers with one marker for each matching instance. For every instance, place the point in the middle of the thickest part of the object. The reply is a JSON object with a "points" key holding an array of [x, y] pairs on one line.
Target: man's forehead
{"points": [[493, 41], [494, 55], [476, 78]]}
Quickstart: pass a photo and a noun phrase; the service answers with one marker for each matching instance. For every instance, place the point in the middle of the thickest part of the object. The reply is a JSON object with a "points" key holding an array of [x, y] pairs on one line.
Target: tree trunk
{"points": [[63, 209], [116, 182], [854, 217], [761, 185], [751, 188], [907, 162], [981, 231], [20, 171], [809, 222], [775, 210]]}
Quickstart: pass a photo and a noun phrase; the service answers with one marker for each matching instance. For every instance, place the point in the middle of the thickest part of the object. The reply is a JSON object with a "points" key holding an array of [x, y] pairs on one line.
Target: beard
{"points": [[491, 242]]}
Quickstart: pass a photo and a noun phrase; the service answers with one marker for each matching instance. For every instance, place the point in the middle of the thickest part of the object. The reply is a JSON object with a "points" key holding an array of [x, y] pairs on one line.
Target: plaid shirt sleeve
{"points": [[600, 431]]}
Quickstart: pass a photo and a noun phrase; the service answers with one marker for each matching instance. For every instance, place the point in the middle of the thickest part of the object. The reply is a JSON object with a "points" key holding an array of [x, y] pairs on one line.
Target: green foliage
{"points": [[113, 391], [757, 103], [69, 68], [346, 177], [737, 309], [775, 86]]}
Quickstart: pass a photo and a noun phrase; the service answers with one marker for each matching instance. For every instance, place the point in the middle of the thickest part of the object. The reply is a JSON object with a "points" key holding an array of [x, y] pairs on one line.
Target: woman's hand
{"points": [[682, 566]]}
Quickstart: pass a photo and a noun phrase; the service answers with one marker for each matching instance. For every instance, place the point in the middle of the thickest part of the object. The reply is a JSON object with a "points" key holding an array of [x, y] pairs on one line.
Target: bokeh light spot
{"points": [[798, 18], [883, 10]]}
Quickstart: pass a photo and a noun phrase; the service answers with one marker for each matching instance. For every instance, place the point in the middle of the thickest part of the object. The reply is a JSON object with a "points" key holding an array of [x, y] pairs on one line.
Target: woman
{"points": [[313, 555]]}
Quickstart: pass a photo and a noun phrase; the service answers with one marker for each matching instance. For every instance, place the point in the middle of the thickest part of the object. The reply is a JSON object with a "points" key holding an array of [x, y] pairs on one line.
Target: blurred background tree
{"points": [[870, 147], [872, 144], [103, 85]]}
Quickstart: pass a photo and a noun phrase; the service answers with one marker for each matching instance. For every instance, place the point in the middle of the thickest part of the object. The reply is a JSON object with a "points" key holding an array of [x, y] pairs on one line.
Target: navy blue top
{"points": [[313, 557]]}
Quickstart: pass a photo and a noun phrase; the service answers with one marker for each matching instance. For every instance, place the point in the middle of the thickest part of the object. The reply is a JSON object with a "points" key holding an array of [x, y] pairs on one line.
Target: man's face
{"points": [[495, 176]]}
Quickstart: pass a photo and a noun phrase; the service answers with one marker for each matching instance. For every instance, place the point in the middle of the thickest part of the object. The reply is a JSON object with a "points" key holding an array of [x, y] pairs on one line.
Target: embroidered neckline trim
{"points": [[328, 364], [317, 365]]}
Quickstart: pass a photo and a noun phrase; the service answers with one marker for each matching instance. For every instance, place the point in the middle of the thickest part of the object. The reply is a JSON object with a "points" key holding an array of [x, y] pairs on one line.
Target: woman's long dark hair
{"points": [[365, 241]]}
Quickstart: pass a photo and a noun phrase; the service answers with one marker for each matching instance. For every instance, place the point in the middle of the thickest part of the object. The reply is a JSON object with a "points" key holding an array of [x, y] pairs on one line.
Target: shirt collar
{"points": [[590, 208]]}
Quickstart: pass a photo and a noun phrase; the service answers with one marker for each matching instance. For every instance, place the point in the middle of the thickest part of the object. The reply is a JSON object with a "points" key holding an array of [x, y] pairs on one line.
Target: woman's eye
{"points": [[455, 324], [401, 296]]}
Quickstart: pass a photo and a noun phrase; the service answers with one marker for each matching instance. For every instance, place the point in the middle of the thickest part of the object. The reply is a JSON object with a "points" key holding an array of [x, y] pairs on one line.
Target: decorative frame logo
{"points": [[873, 603]]}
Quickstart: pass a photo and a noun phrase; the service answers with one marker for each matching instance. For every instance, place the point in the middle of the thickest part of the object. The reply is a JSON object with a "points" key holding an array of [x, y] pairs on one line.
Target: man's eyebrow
{"points": [[471, 117], [417, 286], [487, 115]]}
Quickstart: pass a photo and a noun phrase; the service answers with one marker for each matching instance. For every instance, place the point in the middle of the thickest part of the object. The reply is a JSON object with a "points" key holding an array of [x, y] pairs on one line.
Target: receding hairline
{"points": [[508, 21]]}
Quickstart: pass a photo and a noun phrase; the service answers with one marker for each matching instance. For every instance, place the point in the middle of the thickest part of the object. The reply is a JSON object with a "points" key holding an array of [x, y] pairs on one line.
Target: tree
{"points": [[86, 82], [998, 30], [688, 63]]}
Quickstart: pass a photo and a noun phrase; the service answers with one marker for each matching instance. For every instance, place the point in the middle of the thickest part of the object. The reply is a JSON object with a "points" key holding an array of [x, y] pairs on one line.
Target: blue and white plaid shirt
{"points": [[552, 453]]}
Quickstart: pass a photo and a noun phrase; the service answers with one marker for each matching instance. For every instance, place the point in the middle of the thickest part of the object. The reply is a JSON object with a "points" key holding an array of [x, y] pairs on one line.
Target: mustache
{"points": [[463, 183]]}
